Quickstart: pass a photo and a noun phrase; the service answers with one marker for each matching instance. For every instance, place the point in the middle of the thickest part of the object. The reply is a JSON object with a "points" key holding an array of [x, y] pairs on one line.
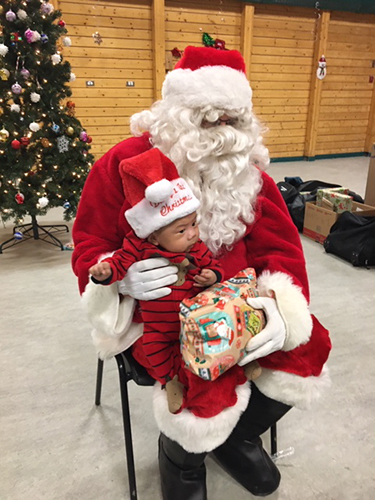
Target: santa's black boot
{"points": [[182, 474], [243, 456]]}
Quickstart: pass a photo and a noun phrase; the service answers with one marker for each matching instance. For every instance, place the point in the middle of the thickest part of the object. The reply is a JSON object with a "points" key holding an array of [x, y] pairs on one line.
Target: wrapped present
{"points": [[337, 199], [217, 324]]}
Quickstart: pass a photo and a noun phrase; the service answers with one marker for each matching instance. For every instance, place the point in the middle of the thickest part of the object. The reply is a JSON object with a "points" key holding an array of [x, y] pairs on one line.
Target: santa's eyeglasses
{"points": [[220, 121]]}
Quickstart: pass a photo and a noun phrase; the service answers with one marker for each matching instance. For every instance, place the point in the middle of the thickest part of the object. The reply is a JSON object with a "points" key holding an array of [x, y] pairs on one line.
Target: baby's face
{"points": [[179, 236]]}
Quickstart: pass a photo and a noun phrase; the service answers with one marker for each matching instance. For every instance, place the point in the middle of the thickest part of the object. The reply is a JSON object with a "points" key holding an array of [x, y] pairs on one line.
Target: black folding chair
{"points": [[130, 369]]}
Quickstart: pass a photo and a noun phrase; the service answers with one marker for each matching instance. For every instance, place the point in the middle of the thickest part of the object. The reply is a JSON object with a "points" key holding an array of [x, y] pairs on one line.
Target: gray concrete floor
{"points": [[55, 444]]}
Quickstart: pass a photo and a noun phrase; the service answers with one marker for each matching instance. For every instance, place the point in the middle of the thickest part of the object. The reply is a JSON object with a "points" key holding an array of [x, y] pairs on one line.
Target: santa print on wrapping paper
{"points": [[322, 68]]}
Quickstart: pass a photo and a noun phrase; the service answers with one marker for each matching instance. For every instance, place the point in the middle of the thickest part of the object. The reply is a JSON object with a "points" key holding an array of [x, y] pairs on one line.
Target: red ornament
{"points": [[70, 104], [89, 139], [15, 144], [62, 23], [219, 44], [19, 198], [25, 141]]}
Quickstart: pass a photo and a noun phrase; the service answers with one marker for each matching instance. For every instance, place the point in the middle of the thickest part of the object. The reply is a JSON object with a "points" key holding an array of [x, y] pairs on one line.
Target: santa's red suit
{"points": [[271, 245]]}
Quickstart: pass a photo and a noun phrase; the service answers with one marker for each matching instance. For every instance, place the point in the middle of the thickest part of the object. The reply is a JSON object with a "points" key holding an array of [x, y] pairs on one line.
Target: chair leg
{"points": [[273, 439], [99, 379], [127, 426]]}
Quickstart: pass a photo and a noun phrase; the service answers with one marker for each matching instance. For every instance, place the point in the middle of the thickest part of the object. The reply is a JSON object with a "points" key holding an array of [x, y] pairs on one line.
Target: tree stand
{"points": [[34, 230]]}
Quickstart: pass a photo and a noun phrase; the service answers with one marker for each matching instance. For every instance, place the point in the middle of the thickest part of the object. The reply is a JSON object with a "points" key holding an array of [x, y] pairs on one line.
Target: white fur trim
{"points": [[291, 389], [146, 217], [111, 318], [292, 305], [195, 434], [159, 191], [220, 86], [107, 347]]}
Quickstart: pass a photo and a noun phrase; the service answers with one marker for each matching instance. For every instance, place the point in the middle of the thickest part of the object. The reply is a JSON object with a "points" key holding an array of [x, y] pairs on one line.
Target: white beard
{"points": [[218, 167]]}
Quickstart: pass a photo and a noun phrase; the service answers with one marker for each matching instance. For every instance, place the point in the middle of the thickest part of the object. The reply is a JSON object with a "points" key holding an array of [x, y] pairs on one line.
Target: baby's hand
{"points": [[206, 278], [101, 271]]}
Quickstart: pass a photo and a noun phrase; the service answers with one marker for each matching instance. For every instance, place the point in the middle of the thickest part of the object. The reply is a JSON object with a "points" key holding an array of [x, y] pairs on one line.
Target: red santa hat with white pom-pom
{"points": [[205, 75], [156, 193]]}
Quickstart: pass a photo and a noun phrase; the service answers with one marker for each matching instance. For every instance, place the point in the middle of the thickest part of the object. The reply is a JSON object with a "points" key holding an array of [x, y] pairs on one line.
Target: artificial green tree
{"points": [[44, 150]]}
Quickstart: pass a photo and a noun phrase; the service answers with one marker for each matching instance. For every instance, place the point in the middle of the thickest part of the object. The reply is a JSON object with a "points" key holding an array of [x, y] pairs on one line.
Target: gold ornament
{"points": [[4, 134], [70, 130], [1, 9], [45, 142], [4, 74]]}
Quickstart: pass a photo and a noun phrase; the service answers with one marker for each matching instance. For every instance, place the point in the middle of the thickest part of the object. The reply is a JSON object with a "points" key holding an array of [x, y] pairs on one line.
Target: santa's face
{"points": [[214, 150]]}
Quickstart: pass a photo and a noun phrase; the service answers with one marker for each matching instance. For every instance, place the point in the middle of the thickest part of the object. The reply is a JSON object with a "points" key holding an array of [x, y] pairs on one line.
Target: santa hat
{"points": [[205, 75], [155, 191]]}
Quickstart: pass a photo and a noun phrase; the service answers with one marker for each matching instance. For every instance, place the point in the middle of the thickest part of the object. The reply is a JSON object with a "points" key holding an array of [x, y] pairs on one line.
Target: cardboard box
{"points": [[370, 187], [318, 220]]}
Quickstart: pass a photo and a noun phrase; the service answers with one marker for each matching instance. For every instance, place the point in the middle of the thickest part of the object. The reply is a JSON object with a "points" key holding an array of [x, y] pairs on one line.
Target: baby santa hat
{"points": [[205, 75], [155, 191]]}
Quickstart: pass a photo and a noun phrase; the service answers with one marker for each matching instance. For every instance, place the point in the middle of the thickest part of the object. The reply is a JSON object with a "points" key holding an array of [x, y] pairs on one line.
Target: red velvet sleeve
{"points": [[100, 225], [273, 242]]}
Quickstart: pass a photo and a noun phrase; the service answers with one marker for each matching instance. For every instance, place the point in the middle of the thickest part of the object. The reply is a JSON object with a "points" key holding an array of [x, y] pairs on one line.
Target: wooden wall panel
{"points": [[186, 21], [124, 54], [347, 93], [281, 61], [279, 49]]}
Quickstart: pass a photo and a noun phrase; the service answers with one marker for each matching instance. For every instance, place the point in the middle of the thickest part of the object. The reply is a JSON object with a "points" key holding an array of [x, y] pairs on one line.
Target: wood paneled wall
{"points": [[125, 54], [281, 46]]}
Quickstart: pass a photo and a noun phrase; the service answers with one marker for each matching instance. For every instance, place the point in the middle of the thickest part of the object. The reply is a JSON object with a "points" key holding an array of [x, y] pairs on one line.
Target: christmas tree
{"points": [[44, 151]]}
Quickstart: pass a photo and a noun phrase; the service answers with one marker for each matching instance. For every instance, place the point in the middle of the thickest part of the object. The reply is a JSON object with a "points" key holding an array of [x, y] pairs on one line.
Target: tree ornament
{"points": [[207, 40], [56, 59], [15, 144], [35, 97], [55, 128], [4, 134], [25, 141], [18, 235], [34, 127], [66, 205], [47, 8], [67, 41], [321, 72], [89, 139], [83, 136], [20, 198], [42, 202], [72, 77], [45, 142], [4, 74], [62, 23], [15, 107], [63, 144], [16, 88], [44, 38], [21, 14], [1, 9], [15, 37], [70, 130], [10, 16], [3, 50], [25, 73]]}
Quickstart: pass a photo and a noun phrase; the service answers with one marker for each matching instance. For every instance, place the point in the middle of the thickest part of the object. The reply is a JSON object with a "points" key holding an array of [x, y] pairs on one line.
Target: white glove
{"points": [[148, 279], [272, 337]]}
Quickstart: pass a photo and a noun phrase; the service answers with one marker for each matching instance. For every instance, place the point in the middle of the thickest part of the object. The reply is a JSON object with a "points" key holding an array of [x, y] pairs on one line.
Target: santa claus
{"points": [[205, 125]]}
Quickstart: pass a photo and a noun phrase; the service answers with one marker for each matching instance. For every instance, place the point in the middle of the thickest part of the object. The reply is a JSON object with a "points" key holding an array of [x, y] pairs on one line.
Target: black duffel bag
{"points": [[352, 237]]}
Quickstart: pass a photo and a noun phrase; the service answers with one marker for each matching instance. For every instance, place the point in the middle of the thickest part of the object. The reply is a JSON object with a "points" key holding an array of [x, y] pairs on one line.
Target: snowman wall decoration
{"points": [[322, 68]]}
